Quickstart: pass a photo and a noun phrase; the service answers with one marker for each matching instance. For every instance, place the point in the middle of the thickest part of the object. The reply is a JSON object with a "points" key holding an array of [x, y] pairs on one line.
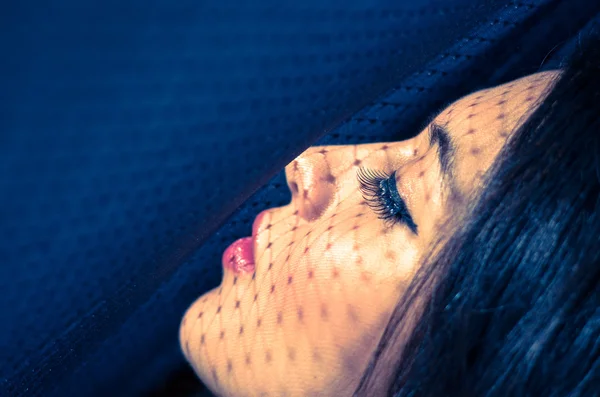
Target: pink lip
{"points": [[239, 256]]}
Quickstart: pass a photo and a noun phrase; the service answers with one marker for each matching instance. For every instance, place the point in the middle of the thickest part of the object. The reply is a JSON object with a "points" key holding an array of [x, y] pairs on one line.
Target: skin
{"points": [[328, 271]]}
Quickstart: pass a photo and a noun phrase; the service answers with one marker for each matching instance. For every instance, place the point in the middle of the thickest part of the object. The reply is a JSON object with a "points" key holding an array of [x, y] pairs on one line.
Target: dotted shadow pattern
{"points": [[132, 132], [327, 272]]}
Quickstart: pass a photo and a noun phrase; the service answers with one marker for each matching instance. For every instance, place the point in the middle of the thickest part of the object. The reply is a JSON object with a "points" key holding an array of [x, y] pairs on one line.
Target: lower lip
{"points": [[239, 256]]}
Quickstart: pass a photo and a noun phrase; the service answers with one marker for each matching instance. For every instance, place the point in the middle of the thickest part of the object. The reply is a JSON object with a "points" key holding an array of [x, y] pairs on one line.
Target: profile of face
{"points": [[328, 269]]}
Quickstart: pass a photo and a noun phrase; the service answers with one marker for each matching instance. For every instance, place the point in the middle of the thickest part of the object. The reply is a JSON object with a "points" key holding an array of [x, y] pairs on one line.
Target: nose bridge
{"points": [[311, 182]]}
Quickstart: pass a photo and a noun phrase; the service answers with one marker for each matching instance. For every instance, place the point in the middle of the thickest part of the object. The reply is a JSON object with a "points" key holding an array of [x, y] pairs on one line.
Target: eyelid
{"points": [[395, 193]]}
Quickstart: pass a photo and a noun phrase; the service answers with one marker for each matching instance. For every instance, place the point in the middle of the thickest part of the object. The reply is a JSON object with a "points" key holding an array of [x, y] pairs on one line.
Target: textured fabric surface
{"points": [[135, 136]]}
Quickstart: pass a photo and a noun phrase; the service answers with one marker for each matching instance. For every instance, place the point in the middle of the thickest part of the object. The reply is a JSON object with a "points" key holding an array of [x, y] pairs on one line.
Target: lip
{"points": [[240, 256], [256, 225]]}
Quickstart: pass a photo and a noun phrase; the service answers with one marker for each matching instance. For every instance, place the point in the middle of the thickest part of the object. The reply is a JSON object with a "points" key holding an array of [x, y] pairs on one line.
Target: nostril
{"points": [[294, 188]]}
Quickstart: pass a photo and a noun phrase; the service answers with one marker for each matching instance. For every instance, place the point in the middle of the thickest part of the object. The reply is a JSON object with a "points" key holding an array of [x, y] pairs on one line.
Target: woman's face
{"points": [[327, 270]]}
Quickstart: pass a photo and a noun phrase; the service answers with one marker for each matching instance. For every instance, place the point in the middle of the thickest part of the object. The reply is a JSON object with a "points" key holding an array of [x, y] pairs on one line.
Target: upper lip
{"points": [[256, 226]]}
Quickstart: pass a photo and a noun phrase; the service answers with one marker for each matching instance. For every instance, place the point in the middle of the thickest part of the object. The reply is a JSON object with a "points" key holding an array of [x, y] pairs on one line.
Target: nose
{"points": [[312, 183]]}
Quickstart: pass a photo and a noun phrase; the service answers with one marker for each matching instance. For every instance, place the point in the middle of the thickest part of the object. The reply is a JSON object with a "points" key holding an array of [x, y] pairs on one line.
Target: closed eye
{"points": [[381, 194]]}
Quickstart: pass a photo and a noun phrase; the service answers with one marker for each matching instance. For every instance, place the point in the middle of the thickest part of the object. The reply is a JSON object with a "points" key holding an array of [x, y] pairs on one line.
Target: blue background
{"points": [[139, 138]]}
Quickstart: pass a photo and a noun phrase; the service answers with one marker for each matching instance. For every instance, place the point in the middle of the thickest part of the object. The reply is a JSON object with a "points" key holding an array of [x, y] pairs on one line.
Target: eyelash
{"points": [[381, 194]]}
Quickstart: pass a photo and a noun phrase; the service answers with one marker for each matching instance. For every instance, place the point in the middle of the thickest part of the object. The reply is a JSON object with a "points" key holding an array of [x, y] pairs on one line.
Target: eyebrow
{"points": [[446, 149]]}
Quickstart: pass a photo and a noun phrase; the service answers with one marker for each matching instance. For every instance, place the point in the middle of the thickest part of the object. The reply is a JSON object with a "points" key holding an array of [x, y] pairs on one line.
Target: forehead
{"points": [[480, 123]]}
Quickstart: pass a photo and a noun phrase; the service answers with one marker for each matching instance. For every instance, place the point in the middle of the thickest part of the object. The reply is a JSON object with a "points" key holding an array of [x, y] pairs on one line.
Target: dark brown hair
{"points": [[511, 305]]}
